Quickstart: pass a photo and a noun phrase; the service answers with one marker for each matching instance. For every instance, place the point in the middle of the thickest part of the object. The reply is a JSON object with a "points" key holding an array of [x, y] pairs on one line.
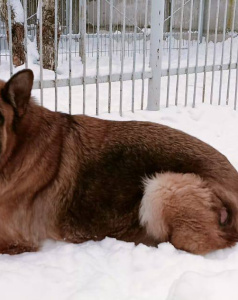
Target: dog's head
{"points": [[183, 209], [14, 99]]}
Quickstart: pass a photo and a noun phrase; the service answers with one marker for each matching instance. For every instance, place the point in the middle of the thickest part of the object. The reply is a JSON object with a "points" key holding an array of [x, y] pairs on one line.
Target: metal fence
{"points": [[207, 70], [173, 52]]}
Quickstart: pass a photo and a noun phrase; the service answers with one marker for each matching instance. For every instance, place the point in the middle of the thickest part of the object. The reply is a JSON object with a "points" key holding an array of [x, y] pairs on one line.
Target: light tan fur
{"points": [[181, 208]]}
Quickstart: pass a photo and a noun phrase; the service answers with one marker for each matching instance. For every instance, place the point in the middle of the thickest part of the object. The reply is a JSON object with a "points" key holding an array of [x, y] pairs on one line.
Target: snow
{"points": [[113, 269], [18, 10]]}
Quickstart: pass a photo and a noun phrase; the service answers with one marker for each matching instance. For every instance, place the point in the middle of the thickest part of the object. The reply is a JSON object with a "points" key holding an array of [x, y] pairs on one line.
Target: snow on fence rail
{"points": [[175, 65]]}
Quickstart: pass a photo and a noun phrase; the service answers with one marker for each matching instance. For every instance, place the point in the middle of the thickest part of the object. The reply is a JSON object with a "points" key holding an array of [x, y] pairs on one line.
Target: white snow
{"points": [[18, 10], [112, 269]]}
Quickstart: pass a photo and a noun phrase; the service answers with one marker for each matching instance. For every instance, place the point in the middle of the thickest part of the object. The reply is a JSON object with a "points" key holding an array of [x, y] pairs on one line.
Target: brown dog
{"points": [[77, 178]]}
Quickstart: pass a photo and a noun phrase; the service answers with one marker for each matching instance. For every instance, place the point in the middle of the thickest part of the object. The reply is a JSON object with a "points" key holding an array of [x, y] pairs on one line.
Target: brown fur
{"points": [[77, 178], [180, 208]]}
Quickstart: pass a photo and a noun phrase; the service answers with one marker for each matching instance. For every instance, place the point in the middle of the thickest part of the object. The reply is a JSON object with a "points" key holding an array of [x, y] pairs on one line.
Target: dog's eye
{"points": [[1, 119]]}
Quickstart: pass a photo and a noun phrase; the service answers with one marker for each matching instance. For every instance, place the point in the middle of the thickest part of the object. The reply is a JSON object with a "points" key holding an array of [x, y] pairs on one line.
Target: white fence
{"points": [[212, 65], [179, 66]]}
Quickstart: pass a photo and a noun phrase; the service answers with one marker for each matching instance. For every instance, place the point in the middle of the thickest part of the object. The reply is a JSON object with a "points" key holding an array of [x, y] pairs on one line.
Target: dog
{"points": [[78, 178]]}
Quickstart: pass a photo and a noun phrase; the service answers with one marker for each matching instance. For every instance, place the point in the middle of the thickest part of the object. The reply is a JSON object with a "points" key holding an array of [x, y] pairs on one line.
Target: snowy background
{"points": [[112, 269]]}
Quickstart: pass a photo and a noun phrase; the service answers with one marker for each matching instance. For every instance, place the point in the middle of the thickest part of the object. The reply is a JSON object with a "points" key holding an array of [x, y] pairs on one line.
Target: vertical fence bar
{"points": [[75, 25], [201, 27], [70, 55], [236, 88], [105, 18], [117, 31], [97, 74], [110, 58], [56, 53], [197, 52], [90, 45], [25, 32], [93, 26], [134, 59], [67, 27], [41, 52], [179, 52], [206, 52], [156, 53], [84, 60], [79, 24], [0, 43], [223, 48], [144, 55], [231, 53], [5, 45], [170, 51], [122, 55], [62, 24], [188, 57], [81, 29], [9, 15], [215, 48]]}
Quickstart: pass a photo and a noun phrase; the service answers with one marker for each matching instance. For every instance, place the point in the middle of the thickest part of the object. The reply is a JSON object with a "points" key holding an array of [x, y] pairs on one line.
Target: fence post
{"points": [[202, 12], [82, 32], [156, 53]]}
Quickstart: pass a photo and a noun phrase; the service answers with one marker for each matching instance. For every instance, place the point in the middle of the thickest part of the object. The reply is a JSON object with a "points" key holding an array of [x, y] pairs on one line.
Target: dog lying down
{"points": [[76, 178]]}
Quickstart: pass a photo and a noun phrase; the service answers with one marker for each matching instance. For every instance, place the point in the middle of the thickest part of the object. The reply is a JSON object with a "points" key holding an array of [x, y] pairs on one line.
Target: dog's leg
{"points": [[12, 249]]}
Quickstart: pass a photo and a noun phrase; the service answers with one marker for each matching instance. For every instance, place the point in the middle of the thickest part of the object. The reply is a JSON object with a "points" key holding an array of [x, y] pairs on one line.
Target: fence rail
{"points": [[180, 52]]}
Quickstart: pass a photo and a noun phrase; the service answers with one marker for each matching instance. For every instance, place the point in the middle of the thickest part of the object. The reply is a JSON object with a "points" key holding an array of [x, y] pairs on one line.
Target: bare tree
{"points": [[17, 29], [48, 34]]}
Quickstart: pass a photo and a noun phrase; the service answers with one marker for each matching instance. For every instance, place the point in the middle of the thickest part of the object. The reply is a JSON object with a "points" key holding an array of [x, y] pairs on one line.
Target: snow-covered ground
{"points": [[112, 269]]}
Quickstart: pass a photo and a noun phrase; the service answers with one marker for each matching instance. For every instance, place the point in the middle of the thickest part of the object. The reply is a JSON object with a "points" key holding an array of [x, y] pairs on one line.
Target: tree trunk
{"points": [[17, 17], [48, 34]]}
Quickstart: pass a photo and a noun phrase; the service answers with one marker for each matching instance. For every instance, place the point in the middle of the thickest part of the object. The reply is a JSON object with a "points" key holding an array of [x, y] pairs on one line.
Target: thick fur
{"points": [[182, 208], [77, 178]]}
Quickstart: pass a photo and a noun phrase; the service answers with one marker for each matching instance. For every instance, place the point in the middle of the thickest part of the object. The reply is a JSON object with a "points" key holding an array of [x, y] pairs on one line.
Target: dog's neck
{"points": [[32, 151]]}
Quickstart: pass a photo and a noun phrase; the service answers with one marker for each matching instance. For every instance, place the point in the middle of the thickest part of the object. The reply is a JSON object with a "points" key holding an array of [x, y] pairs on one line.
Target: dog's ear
{"points": [[17, 91], [223, 216]]}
